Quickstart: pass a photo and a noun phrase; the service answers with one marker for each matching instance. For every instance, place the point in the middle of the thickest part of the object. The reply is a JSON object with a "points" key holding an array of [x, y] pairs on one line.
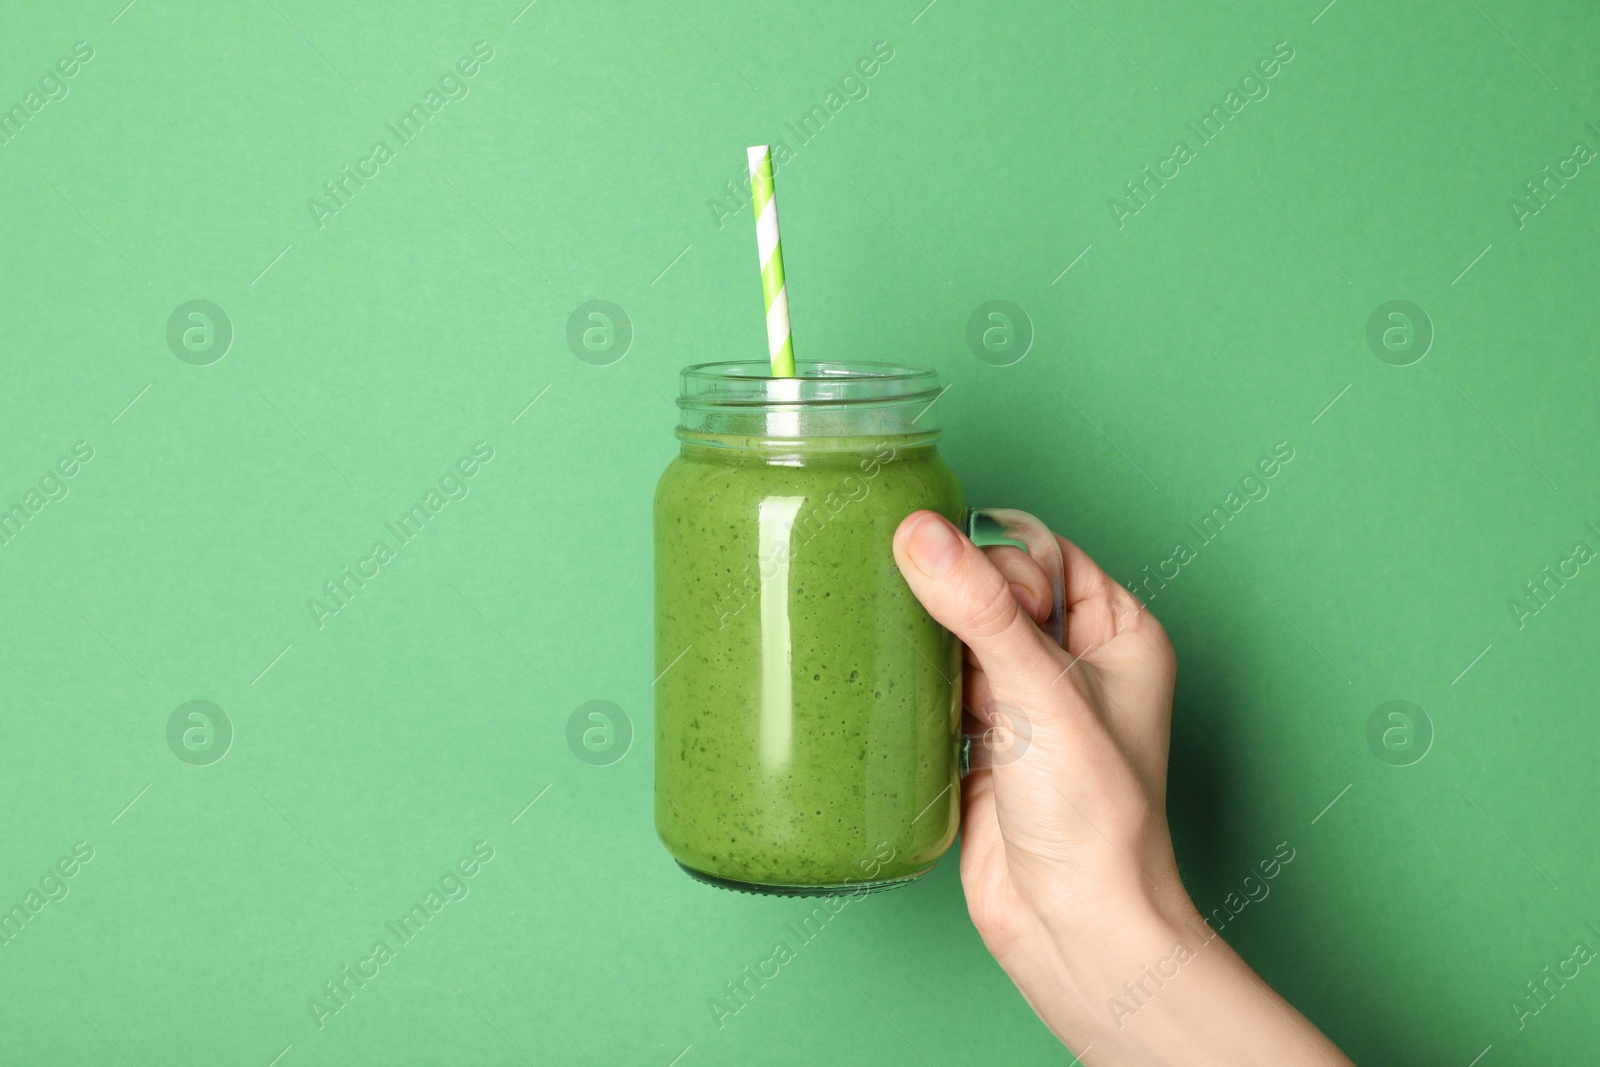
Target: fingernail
{"points": [[1024, 597], [933, 546]]}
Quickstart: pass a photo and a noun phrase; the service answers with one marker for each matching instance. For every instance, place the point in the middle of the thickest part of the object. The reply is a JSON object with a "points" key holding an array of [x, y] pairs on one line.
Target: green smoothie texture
{"points": [[808, 718]]}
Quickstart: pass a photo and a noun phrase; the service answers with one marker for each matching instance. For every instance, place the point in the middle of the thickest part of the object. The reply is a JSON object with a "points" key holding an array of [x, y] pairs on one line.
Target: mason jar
{"points": [[807, 707]]}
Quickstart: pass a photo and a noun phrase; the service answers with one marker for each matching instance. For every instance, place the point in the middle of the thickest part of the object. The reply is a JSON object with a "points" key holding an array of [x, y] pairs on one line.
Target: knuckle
{"points": [[991, 610], [1166, 657]]}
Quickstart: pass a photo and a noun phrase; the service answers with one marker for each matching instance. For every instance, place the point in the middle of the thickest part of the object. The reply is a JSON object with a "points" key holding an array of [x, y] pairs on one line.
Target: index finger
{"points": [[1098, 607]]}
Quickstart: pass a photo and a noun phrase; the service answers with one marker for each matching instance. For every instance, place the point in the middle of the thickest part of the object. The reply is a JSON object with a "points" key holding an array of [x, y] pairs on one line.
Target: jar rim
{"points": [[818, 382]]}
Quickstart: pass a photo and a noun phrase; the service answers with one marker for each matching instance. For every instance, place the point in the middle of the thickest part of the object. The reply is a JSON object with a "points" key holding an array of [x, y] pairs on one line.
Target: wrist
{"points": [[1085, 969], [1148, 982]]}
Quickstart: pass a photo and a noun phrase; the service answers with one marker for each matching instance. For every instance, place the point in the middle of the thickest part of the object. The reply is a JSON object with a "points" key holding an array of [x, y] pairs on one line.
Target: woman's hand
{"points": [[1066, 856]]}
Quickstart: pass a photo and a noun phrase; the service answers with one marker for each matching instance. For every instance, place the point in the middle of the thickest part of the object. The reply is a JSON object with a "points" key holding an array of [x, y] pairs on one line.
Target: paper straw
{"points": [[780, 346]]}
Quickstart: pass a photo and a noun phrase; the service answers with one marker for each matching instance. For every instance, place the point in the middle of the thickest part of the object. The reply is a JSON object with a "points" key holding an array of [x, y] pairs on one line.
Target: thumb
{"points": [[960, 588]]}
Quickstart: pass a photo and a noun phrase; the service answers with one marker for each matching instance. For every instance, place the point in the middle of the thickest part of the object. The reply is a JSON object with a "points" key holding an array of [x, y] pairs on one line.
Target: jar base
{"points": [[840, 890]]}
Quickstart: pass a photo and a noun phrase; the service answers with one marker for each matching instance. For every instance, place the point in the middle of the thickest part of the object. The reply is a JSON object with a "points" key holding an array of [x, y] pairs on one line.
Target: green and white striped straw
{"points": [[780, 346]]}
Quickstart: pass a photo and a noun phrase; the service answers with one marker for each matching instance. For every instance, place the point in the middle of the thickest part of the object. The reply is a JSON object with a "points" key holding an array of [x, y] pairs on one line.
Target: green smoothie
{"points": [[808, 717]]}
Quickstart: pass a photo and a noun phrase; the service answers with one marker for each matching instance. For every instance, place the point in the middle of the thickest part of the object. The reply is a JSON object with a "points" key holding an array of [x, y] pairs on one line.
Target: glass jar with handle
{"points": [[808, 709]]}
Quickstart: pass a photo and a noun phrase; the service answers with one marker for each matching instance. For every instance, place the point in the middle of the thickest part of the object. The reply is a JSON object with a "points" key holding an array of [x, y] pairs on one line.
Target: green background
{"points": [[371, 353]]}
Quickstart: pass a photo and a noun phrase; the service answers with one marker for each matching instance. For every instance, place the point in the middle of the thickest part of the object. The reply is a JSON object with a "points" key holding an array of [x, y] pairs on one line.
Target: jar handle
{"points": [[1007, 526]]}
